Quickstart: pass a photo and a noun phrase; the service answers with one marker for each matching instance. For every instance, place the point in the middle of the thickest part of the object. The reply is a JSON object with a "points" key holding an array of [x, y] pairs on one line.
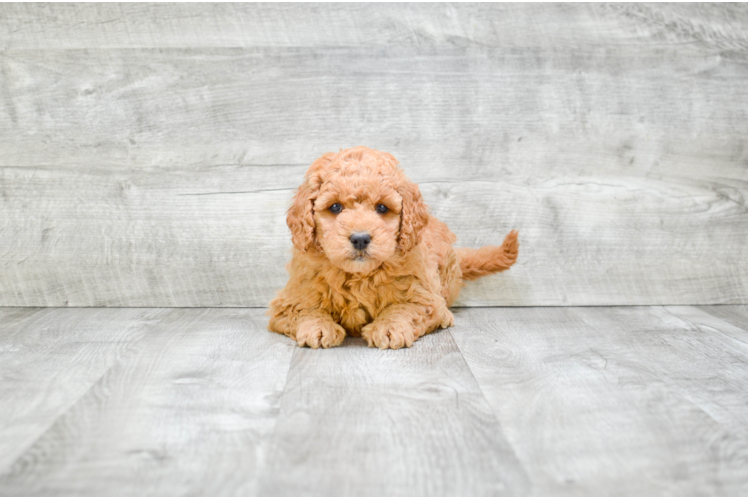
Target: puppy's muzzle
{"points": [[360, 240]]}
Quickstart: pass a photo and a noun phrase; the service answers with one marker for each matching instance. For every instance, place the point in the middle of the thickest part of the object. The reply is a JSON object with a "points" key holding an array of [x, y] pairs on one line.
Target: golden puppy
{"points": [[369, 260]]}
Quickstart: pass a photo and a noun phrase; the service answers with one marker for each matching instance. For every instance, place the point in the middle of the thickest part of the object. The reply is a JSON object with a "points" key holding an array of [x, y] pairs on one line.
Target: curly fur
{"points": [[397, 289]]}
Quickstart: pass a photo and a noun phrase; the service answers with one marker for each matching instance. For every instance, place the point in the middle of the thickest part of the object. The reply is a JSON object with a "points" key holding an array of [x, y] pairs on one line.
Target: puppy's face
{"points": [[358, 208], [357, 222]]}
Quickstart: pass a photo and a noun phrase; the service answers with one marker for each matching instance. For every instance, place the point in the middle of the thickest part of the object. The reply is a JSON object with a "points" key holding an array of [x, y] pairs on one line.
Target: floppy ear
{"points": [[300, 217], [413, 217]]}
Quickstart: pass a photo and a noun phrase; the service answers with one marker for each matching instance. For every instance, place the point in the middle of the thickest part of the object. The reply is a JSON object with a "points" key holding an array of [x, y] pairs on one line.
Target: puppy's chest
{"points": [[358, 303]]}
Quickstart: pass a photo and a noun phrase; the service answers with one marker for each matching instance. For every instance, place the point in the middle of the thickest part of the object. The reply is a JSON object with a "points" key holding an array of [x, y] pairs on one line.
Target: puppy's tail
{"points": [[479, 262]]}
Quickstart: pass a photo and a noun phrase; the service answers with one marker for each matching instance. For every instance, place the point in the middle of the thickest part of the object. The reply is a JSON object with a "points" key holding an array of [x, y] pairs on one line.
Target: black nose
{"points": [[360, 240]]}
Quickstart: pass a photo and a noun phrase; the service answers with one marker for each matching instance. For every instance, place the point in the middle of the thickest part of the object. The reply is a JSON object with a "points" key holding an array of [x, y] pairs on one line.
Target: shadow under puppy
{"points": [[368, 258]]}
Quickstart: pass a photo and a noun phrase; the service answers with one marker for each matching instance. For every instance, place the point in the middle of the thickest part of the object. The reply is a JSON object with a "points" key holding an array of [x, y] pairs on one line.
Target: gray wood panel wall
{"points": [[148, 152]]}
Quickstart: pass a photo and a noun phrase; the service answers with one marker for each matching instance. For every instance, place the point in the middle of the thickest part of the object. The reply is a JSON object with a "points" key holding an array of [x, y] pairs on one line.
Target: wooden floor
{"points": [[539, 401]]}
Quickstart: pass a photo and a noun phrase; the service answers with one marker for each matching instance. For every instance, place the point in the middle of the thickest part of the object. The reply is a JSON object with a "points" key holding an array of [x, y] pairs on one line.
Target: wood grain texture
{"points": [[737, 315], [50, 358], [148, 152], [188, 412], [543, 401], [357, 421], [615, 401], [78, 26]]}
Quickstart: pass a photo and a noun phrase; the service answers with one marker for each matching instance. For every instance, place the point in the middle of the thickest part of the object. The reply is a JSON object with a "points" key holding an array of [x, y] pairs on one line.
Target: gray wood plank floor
{"points": [[591, 401]]}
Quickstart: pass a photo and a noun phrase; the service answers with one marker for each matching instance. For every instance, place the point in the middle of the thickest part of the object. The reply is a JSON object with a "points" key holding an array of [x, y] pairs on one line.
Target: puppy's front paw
{"points": [[448, 319], [389, 334], [316, 332]]}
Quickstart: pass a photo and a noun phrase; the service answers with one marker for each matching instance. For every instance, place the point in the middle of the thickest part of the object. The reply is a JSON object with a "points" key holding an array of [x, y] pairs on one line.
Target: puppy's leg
{"points": [[317, 329], [399, 325], [313, 328]]}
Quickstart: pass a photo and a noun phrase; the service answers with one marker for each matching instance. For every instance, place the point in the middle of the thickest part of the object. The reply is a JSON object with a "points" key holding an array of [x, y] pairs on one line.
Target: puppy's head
{"points": [[358, 208]]}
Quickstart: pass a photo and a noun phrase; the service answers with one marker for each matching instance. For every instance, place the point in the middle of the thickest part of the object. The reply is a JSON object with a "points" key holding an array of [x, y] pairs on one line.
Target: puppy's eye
{"points": [[382, 209], [336, 208]]}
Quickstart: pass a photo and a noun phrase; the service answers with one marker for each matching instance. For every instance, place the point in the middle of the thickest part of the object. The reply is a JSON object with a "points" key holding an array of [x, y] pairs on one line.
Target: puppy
{"points": [[368, 258]]}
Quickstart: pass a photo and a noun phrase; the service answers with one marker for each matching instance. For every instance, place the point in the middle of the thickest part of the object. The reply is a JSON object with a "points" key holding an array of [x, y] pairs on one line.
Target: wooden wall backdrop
{"points": [[148, 152]]}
